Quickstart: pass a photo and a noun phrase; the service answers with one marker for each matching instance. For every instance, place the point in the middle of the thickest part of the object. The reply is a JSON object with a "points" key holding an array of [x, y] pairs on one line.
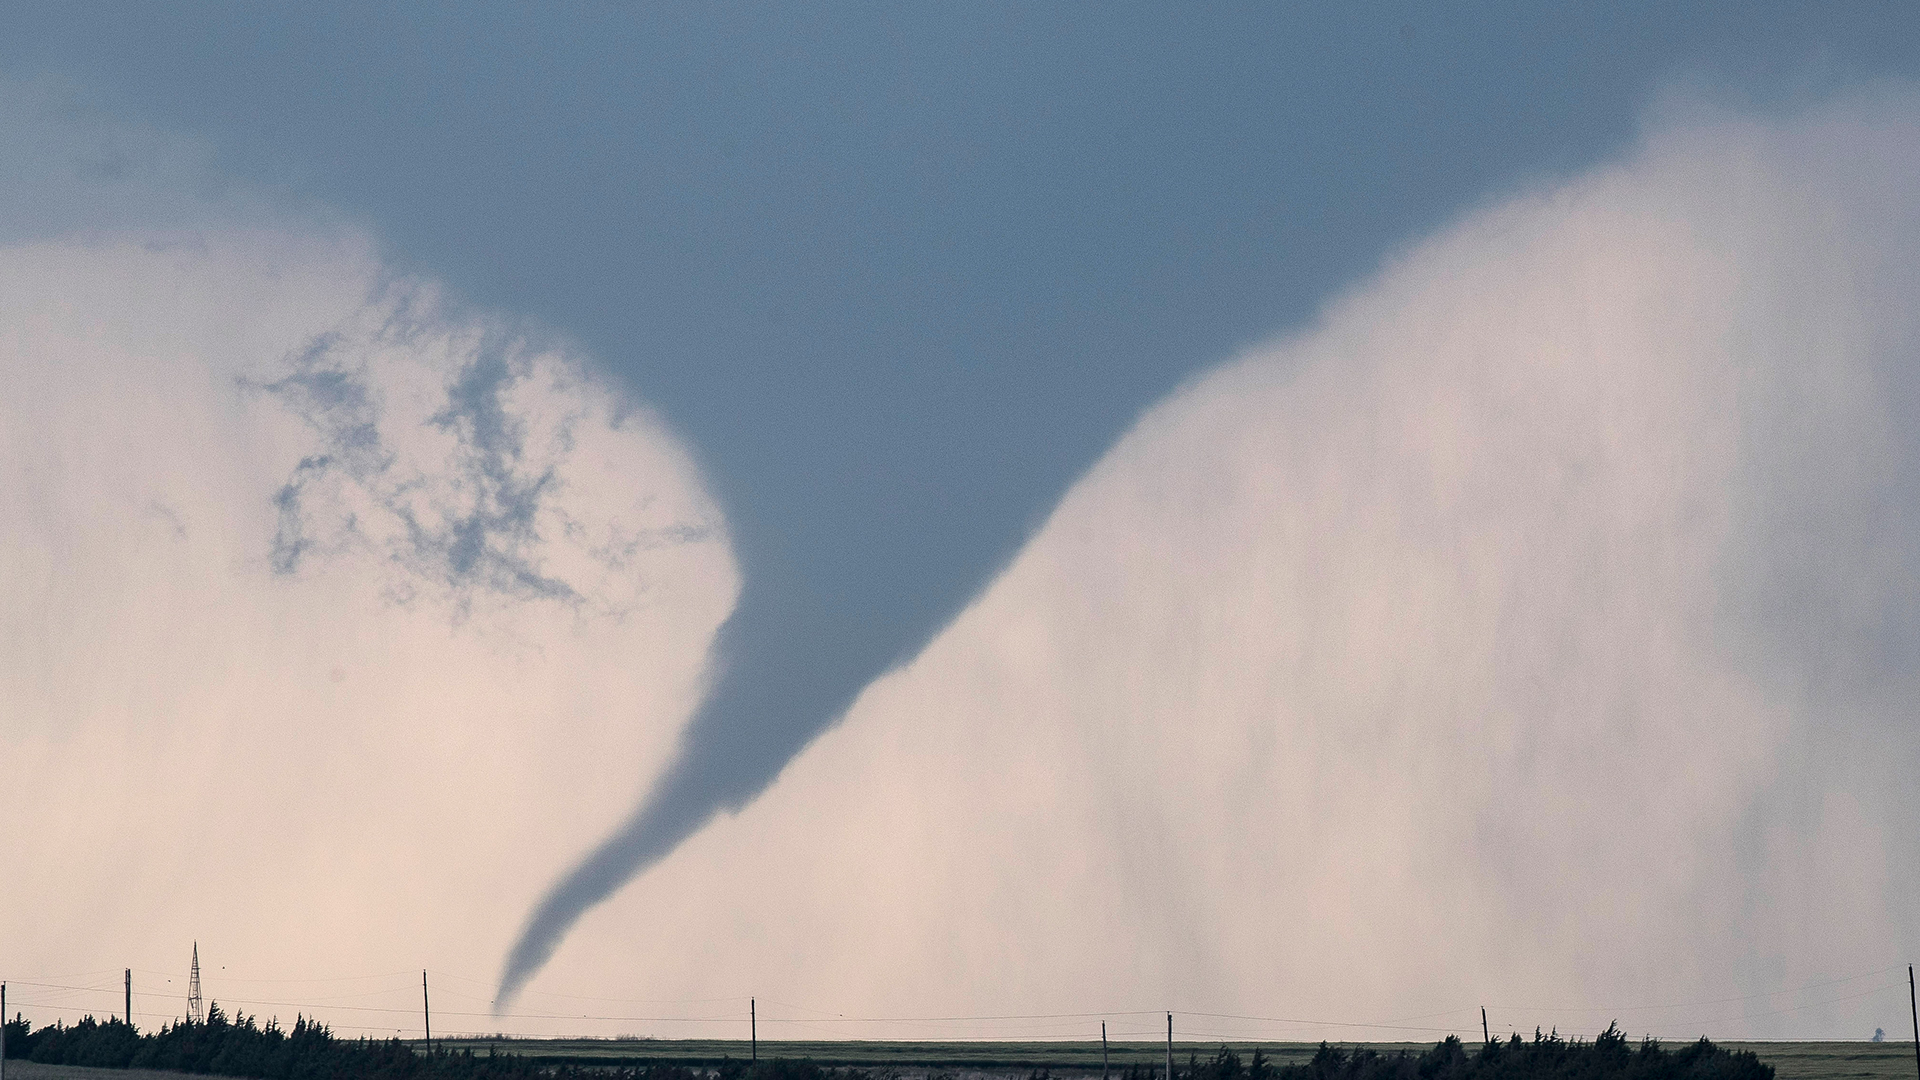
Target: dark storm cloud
{"points": [[898, 277]]}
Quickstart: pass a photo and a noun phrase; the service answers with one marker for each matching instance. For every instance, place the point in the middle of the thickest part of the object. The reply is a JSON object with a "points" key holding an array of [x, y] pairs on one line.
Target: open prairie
{"points": [[1824, 1060], [33, 1070], [1791, 1060]]}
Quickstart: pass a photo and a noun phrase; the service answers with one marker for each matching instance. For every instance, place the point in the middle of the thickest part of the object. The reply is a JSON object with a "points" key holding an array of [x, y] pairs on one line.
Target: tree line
{"points": [[240, 1046], [1610, 1056]]}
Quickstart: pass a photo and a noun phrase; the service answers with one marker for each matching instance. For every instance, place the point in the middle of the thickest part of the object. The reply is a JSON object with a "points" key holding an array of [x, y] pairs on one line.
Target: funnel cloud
{"points": [[1608, 462], [1536, 629], [617, 412]]}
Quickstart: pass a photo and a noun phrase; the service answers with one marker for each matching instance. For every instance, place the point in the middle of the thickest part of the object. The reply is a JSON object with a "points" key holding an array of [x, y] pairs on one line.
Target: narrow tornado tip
{"points": [[557, 911], [737, 742], [528, 956], [653, 831]]}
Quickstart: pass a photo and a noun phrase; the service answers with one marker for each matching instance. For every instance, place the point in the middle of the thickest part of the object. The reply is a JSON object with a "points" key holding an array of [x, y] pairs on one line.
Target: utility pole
{"points": [[1484, 1035], [1169, 1046], [1915, 1009], [3, 1031], [1103, 1050], [753, 1028], [426, 1011], [129, 997]]}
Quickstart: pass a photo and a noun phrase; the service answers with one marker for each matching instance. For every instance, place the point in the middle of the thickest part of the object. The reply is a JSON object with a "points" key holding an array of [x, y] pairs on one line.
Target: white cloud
{"points": [[331, 700]]}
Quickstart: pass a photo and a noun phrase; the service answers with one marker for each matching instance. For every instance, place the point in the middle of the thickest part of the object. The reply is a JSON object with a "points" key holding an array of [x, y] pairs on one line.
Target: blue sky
{"points": [[900, 275]]}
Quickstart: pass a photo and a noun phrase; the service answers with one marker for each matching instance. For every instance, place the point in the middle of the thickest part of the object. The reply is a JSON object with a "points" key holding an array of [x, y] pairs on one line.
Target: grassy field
{"points": [[1791, 1060], [27, 1070], [1836, 1060], [918, 1057]]}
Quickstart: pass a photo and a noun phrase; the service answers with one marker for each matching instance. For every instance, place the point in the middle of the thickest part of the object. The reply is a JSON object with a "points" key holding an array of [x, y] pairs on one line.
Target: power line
{"points": [[838, 1019], [596, 997], [1052, 1026], [316, 978], [1705, 1001], [1296, 1022]]}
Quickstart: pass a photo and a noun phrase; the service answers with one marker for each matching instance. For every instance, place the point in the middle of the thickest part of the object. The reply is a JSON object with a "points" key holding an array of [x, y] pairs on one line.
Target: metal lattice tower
{"points": [[195, 1011]]}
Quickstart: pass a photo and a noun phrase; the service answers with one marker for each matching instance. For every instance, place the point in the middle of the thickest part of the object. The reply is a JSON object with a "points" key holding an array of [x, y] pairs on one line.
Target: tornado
{"points": [[767, 701]]}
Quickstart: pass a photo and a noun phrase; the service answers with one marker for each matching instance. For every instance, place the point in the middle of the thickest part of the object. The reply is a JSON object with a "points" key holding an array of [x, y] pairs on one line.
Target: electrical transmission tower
{"points": [[195, 1012]]}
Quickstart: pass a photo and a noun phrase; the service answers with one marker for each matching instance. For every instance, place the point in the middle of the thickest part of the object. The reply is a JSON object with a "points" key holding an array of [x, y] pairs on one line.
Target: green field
{"points": [[1824, 1060], [1791, 1060]]}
